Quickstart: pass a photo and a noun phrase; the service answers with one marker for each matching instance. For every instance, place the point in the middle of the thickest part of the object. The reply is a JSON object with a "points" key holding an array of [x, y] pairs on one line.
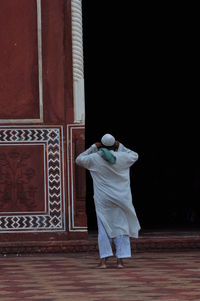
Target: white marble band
{"points": [[78, 70]]}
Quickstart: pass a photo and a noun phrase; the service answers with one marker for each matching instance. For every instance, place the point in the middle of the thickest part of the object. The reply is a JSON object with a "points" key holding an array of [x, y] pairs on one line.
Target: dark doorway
{"points": [[141, 85]]}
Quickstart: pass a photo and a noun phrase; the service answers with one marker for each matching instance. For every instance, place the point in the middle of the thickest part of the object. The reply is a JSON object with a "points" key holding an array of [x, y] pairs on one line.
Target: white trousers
{"points": [[121, 242]]}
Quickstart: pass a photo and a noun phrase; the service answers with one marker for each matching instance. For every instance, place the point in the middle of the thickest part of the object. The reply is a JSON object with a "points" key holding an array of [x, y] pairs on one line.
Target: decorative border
{"points": [[70, 162], [54, 219], [39, 38]]}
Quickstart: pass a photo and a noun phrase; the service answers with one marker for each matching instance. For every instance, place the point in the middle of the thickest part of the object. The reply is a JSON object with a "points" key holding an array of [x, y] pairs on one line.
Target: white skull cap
{"points": [[108, 140]]}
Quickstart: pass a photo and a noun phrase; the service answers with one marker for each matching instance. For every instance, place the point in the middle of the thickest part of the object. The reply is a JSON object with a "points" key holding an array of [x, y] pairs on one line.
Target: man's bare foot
{"points": [[120, 263], [102, 264]]}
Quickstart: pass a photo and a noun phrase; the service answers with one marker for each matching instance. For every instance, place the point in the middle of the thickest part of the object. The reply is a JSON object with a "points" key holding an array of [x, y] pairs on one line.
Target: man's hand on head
{"points": [[116, 145], [98, 144]]}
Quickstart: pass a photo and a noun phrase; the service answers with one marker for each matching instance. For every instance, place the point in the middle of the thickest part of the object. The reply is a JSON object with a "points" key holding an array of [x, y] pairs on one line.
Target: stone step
{"points": [[149, 241]]}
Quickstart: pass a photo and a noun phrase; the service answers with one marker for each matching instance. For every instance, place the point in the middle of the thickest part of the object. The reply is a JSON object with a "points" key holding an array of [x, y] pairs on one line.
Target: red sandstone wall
{"points": [[42, 192]]}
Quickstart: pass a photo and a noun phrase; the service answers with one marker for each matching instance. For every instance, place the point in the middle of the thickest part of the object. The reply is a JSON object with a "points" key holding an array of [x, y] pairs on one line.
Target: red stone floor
{"points": [[168, 276]]}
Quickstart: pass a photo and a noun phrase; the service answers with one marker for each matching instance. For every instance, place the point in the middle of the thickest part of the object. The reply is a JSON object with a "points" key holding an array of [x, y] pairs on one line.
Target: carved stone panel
{"points": [[31, 181], [22, 178]]}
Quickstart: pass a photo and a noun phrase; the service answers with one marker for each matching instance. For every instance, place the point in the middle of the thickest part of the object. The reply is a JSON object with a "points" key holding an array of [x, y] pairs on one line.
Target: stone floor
{"points": [[163, 276]]}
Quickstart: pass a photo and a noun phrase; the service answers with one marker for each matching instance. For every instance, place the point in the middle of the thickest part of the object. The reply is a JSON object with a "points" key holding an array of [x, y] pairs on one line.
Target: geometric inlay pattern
{"points": [[53, 218]]}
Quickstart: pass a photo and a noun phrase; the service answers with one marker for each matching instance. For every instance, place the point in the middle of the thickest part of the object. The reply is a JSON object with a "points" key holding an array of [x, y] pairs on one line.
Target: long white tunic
{"points": [[112, 192]]}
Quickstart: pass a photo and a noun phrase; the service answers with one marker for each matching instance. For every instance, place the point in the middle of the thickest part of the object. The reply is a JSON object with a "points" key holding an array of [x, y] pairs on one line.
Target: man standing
{"points": [[109, 162]]}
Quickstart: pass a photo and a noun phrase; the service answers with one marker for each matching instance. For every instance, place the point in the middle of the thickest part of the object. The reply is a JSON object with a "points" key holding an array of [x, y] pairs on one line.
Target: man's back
{"points": [[111, 182]]}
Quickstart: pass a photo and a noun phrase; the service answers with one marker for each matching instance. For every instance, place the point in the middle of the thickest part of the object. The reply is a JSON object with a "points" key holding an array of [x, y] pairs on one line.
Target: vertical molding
{"points": [[74, 225], [39, 31], [77, 55]]}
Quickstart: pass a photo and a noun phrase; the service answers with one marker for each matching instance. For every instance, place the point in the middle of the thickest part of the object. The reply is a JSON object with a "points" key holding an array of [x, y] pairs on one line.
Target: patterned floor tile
{"points": [[74, 277]]}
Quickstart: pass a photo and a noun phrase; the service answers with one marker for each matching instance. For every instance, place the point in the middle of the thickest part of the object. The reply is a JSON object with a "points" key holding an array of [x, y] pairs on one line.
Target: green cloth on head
{"points": [[107, 155]]}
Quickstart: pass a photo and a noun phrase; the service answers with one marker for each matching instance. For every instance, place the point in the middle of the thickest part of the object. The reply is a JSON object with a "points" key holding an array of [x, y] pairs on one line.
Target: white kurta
{"points": [[112, 192]]}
